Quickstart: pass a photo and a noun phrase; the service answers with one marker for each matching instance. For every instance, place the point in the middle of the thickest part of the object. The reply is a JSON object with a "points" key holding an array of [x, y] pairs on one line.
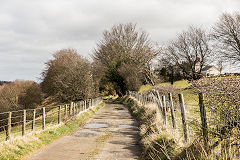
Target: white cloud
{"points": [[31, 30]]}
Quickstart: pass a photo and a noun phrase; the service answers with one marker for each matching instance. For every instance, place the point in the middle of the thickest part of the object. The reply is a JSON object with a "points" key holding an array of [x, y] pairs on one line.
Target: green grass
{"points": [[144, 88], [177, 84], [21, 147]]}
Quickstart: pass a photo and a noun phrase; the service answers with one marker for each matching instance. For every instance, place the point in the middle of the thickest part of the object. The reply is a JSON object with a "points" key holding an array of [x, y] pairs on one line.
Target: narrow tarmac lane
{"points": [[111, 134]]}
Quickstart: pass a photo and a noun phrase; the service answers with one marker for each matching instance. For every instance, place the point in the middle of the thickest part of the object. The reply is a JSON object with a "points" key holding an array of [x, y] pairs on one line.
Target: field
{"points": [[182, 84], [221, 114]]}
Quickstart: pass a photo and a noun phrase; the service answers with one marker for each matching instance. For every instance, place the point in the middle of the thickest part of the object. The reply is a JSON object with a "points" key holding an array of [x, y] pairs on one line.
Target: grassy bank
{"points": [[21, 147], [182, 84], [157, 144], [160, 141]]}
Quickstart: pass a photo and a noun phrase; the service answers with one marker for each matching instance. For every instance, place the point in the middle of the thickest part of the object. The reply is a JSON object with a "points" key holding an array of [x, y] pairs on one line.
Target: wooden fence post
{"points": [[59, 114], [160, 106], [65, 111], [71, 108], [43, 118], [74, 108], [172, 110], [143, 99], [182, 107], [83, 105], [33, 120], [204, 121], [80, 105], [24, 123], [9, 126], [164, 105]]}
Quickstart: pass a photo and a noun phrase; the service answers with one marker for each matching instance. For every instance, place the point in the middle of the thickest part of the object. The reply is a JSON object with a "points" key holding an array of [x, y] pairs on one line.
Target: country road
{"points": [[111, 134]]}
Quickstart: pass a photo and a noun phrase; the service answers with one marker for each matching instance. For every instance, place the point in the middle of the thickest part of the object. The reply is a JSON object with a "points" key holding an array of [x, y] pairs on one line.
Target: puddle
{"points": [[87, 131], [123, 143], [119, 108], [96, 125], [126, 126]]}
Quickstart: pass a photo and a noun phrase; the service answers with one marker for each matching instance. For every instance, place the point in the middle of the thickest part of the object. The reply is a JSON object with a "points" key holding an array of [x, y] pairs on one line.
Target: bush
{"points": [[68, 77], [31, 97], [18, 95]]}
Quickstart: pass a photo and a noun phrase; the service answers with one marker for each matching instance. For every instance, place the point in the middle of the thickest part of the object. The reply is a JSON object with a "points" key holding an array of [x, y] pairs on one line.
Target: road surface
{"points": [[111, 134]]}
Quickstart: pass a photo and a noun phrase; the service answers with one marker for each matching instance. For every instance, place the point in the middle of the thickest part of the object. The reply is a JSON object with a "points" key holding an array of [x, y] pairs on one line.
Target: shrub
{"points": [[18, 95], [68, 77]]}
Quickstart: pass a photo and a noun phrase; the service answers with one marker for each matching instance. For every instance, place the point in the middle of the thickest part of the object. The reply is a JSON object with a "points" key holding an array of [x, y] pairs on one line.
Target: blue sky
{"points": [[32, 30]]}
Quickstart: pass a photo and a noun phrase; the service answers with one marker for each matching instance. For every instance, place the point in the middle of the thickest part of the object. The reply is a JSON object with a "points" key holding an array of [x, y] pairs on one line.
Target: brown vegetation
{"points": [[68, 77], [19, 95], [125, 56], [226, 34]]}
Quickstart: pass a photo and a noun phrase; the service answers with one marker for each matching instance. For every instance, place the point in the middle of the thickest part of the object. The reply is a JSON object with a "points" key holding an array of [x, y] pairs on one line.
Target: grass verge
{"points": [[156, 143], [159, 141], [19, 148]]}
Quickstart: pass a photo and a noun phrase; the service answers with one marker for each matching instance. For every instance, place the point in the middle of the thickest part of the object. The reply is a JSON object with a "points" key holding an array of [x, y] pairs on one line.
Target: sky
{"points": [[32, 30]]}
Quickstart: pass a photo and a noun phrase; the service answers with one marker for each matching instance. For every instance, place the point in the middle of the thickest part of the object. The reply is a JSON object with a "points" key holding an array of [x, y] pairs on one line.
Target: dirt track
{"points": [[111, 134]]}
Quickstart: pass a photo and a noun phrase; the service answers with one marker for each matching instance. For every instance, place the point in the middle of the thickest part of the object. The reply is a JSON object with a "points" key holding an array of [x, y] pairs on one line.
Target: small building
{"points": [[210, 70]]}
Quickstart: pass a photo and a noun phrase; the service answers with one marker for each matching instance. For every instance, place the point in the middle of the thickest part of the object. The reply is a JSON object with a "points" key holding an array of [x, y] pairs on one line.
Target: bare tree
{"points": [[226, 32], [20, 94], [124, 50], [190, 51], [68, 76]]}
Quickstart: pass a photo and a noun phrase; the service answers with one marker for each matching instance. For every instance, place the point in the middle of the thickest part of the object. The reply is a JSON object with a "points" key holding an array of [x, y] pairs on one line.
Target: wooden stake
{"points": [[43, 118], [9, 126], [33, 120], [24, 123], [204, 121], [59, 114], [172, 110], [182, 107]]}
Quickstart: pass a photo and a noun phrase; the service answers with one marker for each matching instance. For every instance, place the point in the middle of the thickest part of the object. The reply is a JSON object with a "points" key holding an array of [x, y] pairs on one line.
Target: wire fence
{"points": [[22, 122], [211, 118]]}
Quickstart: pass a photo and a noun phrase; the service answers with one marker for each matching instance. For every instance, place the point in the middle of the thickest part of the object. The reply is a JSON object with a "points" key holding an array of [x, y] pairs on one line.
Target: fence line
{"points": [[198, 116], [21, 122]]}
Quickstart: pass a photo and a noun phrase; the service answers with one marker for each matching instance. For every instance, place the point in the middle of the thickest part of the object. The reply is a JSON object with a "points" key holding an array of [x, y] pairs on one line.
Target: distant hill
{"points": [[2, 82]]}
